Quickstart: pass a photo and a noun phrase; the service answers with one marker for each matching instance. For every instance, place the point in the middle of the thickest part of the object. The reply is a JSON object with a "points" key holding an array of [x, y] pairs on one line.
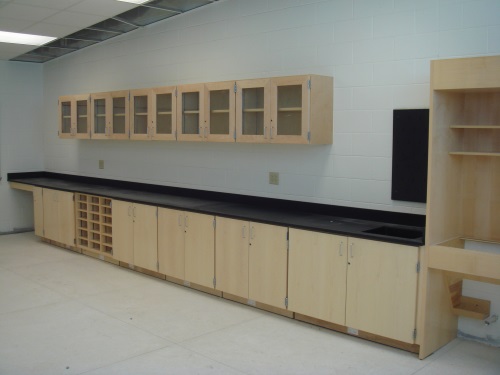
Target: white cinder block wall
{"points": [[377, 50], [21, 132]]}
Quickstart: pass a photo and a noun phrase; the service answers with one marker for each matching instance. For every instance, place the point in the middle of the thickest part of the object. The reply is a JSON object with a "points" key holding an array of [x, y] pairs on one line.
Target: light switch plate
{"points": [[274, 178], [101, 164]]}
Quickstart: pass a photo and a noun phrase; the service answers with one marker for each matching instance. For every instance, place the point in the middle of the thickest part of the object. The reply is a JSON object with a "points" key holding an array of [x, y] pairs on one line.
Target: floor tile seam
{"points": [[125, 359], [35, 307], [432, 358], [211, 358]]}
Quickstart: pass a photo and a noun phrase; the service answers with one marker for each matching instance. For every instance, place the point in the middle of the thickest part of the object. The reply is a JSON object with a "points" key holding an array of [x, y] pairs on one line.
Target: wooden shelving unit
{"points": [[462, 194], [94, 224]]}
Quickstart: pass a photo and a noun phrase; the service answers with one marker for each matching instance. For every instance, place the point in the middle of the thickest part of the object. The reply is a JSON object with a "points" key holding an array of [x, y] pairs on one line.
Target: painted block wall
{"points": [[21, 132], [377, 50]]}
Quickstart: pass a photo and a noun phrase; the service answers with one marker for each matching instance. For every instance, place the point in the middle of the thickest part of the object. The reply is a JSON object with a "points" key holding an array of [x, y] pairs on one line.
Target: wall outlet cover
{"points": [[274, 178]]}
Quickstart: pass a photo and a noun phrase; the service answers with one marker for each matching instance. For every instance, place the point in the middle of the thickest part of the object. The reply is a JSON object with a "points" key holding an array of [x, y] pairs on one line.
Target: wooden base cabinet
{"points": [[58, 216], [38, 210], [317, 272], [382, 289], [186, 246], [135, 234]]}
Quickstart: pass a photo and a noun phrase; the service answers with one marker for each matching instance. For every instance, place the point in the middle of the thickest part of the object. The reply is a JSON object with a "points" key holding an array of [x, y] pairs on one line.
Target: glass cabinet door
{"points": [[220, 112], [100, 116], [82, 117], [290, 109], [253, 111], [140, 118], [65, 119], [164, 110], [120, 115], [190, 118]]}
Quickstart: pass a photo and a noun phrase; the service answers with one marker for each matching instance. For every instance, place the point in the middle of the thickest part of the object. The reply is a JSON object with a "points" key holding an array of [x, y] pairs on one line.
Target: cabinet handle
{"points": [[272, 132], [252, 232], [352, 250], [205, 132], [265, 131], [244, 231], [179, 220], [186, 222], [134, 211], [340, 248]]}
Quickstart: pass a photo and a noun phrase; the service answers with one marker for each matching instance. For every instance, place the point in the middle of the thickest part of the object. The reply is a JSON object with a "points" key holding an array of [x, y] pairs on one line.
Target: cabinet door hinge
{"points": [[234, 134], [415, 334], [309, 136], [157, 265], [214, 282], [418, 267], [43, 231], [286, 302], [235, 88], [309, 84], [214, 224], [74, 241], [175, 92]]}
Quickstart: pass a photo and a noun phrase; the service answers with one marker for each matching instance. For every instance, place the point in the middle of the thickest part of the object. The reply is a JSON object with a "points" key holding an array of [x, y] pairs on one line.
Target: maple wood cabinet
{"points": [[110, 115], [55, 215], [74, 116]]}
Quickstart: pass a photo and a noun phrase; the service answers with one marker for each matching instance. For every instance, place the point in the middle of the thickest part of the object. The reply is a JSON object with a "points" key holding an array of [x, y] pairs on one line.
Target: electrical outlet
{"points": [[274, 178], [101, 164]]}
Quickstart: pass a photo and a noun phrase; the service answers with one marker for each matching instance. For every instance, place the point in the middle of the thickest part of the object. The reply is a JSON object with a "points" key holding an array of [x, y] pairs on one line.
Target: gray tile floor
{"points": [[65, 313]]}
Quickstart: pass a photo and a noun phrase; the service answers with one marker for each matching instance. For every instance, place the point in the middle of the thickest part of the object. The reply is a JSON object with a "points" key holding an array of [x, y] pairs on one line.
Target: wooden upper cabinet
{"points": [[110, 115], [74, 116], [253, 112], [220, 111], [190, 112], [163, 109]]}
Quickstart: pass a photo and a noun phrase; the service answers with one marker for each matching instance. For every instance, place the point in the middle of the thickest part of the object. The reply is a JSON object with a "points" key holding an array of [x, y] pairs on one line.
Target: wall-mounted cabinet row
{"points": [[297, 109]]}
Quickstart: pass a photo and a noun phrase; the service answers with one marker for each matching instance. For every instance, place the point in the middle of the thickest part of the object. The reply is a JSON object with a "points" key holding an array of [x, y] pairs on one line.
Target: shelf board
{"points": [[191, 112], [141, 113], [467, 153], [100, 115], [82, 116], [164, 112], [66, 117], [484, 127], [119, 114], [219, 111], [290, 109], [250, 110]]}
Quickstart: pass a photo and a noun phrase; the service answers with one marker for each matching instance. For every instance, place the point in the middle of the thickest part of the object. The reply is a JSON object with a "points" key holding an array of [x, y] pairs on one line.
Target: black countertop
{"points": [[405, 229]]}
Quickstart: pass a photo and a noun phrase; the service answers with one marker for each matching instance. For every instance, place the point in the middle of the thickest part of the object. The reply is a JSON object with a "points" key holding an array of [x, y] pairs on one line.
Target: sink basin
{"points": [[395, 232]]}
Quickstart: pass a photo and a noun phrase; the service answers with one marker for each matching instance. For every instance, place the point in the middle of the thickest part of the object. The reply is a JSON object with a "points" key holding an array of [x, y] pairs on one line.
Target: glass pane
{"points": [[66, 117], [119, 115], [289, 120], [100, 116], [190, 112], [164, 114], [253, 111], [141, 114], [81, 116], [219, 112]]}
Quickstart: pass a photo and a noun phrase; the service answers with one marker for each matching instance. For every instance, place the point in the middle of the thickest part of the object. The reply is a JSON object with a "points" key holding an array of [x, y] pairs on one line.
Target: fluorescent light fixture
{"points": [[29, 39], [134, 1]]}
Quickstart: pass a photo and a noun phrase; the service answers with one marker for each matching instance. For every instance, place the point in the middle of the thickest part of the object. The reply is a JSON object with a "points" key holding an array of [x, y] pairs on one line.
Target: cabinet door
{"points": [[119, 126], [171, 242], [123, 232], [100, 115], [220, 112], [164, 113], [199, 249], [382, 288], [253, 113], [66, 216], [38, 210], [81, 117], [317, 275], [145, 236], [268, 264], [231, 256], [66, 105], [190, 112], [141, 117], [290, 110]]}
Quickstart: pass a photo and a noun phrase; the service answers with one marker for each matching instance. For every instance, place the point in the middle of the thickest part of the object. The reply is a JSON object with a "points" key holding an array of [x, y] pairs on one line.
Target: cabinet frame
{"points": [[231, 110], [197, 88], [73, 117], [172, 90], [265, 84], [148, 93], [109, 116]]}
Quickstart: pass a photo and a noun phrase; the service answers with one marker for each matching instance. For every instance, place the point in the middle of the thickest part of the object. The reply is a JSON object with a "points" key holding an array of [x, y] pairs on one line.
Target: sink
{"points": [[395, 232]]}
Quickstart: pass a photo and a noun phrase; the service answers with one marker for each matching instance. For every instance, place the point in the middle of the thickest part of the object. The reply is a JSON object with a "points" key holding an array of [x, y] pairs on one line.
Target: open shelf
{"points": [[290, 109], [164, 112], [141, 113], [94, 223], [191, 112], [219, 111], [250, 110]]}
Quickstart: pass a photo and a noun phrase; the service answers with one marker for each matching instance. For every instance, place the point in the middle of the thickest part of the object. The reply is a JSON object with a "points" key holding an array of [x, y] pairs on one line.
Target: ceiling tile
{"points": [[105, 8], [53, 4], [13, 25], [48, 29], [78, 20], [8, 51], [26, 12]]}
